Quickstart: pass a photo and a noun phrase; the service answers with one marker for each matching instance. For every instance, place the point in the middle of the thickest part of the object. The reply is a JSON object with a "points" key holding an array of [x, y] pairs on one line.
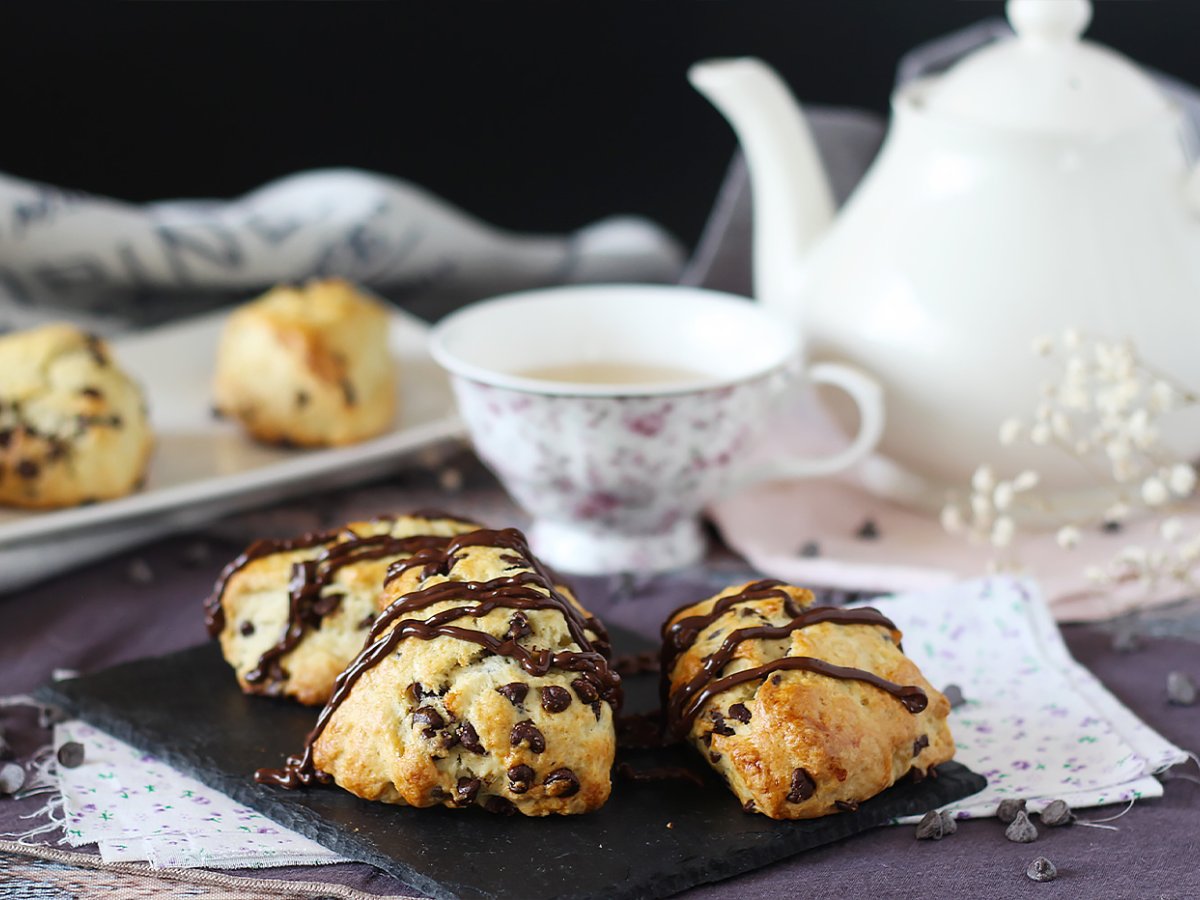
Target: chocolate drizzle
{"points": [[685, 703], [526, 590]]}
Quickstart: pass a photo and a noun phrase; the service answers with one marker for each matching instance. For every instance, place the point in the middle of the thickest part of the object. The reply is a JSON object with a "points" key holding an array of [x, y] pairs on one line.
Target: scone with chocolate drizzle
{"points": [[291, 614], [481, 684], [804, 710], [73, 425]]}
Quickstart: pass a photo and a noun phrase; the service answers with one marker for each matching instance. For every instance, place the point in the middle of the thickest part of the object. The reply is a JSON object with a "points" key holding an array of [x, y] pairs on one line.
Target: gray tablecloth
{"points": [[148, 603]]}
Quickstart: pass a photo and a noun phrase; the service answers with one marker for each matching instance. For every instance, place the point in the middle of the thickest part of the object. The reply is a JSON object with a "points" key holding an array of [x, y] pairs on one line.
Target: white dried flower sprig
{"points": [[1103, 410]]}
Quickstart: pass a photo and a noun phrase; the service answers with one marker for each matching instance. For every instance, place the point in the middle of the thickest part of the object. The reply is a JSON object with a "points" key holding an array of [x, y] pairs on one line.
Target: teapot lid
{"points": [[1047, 79]]}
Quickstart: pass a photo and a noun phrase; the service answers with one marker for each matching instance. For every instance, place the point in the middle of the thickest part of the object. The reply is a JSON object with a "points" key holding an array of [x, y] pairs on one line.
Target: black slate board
{"points": [[187, 710]]}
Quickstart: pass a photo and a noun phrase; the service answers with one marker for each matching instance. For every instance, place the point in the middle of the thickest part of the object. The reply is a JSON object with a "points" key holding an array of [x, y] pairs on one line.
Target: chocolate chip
{"points": [[500, 806], [561, 783], [414, 692], [739, 712], [1008, 809], [514, 693], [12, 778], [1181, 690], [719, 726], [810, 550], [366, 621], [1111, 526], [555, 699], [1021, 831], [868, 531], [1041, 869], [526, 734], [1057, 813], [521, 778], [302, 399], [915, 775], [467, 790], [518, 627], [803, 787], [777, 679], [92, 392], [749, 806], [348, 392], [954, 695], [585, 690], [247, 628], [430, 718], [28, 469], [5, 437], [596, 710], [470, 738], [846, 805], [70, 755], [932, 827], [920, 744], [58, 449]]}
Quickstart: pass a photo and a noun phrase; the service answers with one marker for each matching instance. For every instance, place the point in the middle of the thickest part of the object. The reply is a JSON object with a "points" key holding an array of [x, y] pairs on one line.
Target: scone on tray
{"points": [[73, 425], [291, 614], [481, 684], [803, 710], [307, 366]]}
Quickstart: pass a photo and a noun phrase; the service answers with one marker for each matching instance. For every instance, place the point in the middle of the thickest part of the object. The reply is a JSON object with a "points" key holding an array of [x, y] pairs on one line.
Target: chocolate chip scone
{"points": [[292, 614], [482, 684], [804, 710], [308, 366], [73, 425]]}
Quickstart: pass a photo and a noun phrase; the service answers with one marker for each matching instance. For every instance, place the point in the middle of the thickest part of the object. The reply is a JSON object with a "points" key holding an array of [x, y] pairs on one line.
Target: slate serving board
{"points": [[651, 839]]}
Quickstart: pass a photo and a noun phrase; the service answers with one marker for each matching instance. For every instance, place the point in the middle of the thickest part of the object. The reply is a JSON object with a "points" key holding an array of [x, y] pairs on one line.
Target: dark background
{"points": [[538, 116]]}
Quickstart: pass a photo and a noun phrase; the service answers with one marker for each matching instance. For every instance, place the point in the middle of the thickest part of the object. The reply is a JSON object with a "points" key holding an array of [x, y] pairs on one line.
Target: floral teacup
{"points": [[616, 471]]}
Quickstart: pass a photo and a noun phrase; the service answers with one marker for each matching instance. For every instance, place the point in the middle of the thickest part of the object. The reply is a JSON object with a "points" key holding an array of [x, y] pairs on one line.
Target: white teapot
{"points": [[1041, 183]]}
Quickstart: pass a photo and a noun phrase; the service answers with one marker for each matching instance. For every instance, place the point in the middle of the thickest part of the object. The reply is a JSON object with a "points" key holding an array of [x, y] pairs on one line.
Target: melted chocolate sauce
{"points": [[532, 589], [685, 703]]}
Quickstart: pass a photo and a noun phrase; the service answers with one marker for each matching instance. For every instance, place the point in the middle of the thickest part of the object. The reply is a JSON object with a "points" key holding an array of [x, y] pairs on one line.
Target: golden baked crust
{"points": [[308, 366], [484, 686], [291, 615], [73, 425], [794, 743]]}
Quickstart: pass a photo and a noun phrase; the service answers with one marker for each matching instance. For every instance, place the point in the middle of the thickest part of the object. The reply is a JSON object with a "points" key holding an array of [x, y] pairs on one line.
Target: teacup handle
{"points": [[867, 395]]}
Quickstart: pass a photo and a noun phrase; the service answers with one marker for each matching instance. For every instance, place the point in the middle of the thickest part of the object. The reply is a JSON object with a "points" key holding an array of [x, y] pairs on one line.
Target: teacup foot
{"points": [[588, 551]]}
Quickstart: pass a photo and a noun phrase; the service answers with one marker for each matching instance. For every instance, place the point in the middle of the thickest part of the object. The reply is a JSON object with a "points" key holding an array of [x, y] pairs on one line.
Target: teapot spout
{"points": [[793, 202]]}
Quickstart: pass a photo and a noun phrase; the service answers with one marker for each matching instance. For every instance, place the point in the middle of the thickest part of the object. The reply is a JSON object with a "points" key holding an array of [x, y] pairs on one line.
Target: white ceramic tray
{"points": [[202, 467]]}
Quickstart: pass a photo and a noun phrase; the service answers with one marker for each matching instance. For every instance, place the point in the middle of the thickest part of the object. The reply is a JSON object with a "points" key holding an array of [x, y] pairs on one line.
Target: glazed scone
{"points": [[804, 710], [482, 684], [73, 425], [291, 614], [307, 366]]}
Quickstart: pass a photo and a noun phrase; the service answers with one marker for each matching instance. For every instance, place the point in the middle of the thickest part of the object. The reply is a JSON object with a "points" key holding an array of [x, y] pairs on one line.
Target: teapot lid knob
{"points": [[1049, 20]]}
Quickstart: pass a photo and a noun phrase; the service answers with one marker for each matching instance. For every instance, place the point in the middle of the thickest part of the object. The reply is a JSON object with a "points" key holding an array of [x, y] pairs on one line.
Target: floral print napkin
{"points": [[134, 807], [1037, 724]]}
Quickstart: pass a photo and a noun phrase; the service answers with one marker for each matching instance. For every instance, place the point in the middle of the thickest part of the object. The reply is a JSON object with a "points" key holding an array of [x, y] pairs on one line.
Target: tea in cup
{"points": [[614, 413]]}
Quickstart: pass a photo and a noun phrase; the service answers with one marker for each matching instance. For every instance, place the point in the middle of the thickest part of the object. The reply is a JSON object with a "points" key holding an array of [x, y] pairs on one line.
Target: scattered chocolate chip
{"points": [[450, 738], [1021, 830], [596, 710], [719, 726], [846, 805], [868, 531], [561, 783], [1181, 690], [526, 734], [414, 692], [70, 755], [518, 627], [1111, 526], [514, 693], [920, 744], [802, 787], [430, 718], [555, 699], [585, 690], [58, 449], [777, 679], [1041, 869], [954, 695], [470, 738], [247, 628], [739, 712], [12, 778], [749, 806], [1057, 813], [438, 793], [139, 571], [28, 469], [810, 550], [500, 806], [521, 778], [467, 790], [714, 756], [1008, 809], [932, 826], [302, 399], [92, 392]]}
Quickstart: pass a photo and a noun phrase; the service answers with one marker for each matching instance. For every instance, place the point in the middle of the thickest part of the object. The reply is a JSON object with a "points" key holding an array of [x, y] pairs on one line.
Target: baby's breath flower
{"points": [[1040, 434], [1181, 478], [983, 480], [1025, 480], [1171, 529], [1070, 339], [1003, 531], [1043, 345], [1010, 431], [1002, 496], [1068, 537], [1154, 492], [1162, 396], [1095, 575], [952, 520]]}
